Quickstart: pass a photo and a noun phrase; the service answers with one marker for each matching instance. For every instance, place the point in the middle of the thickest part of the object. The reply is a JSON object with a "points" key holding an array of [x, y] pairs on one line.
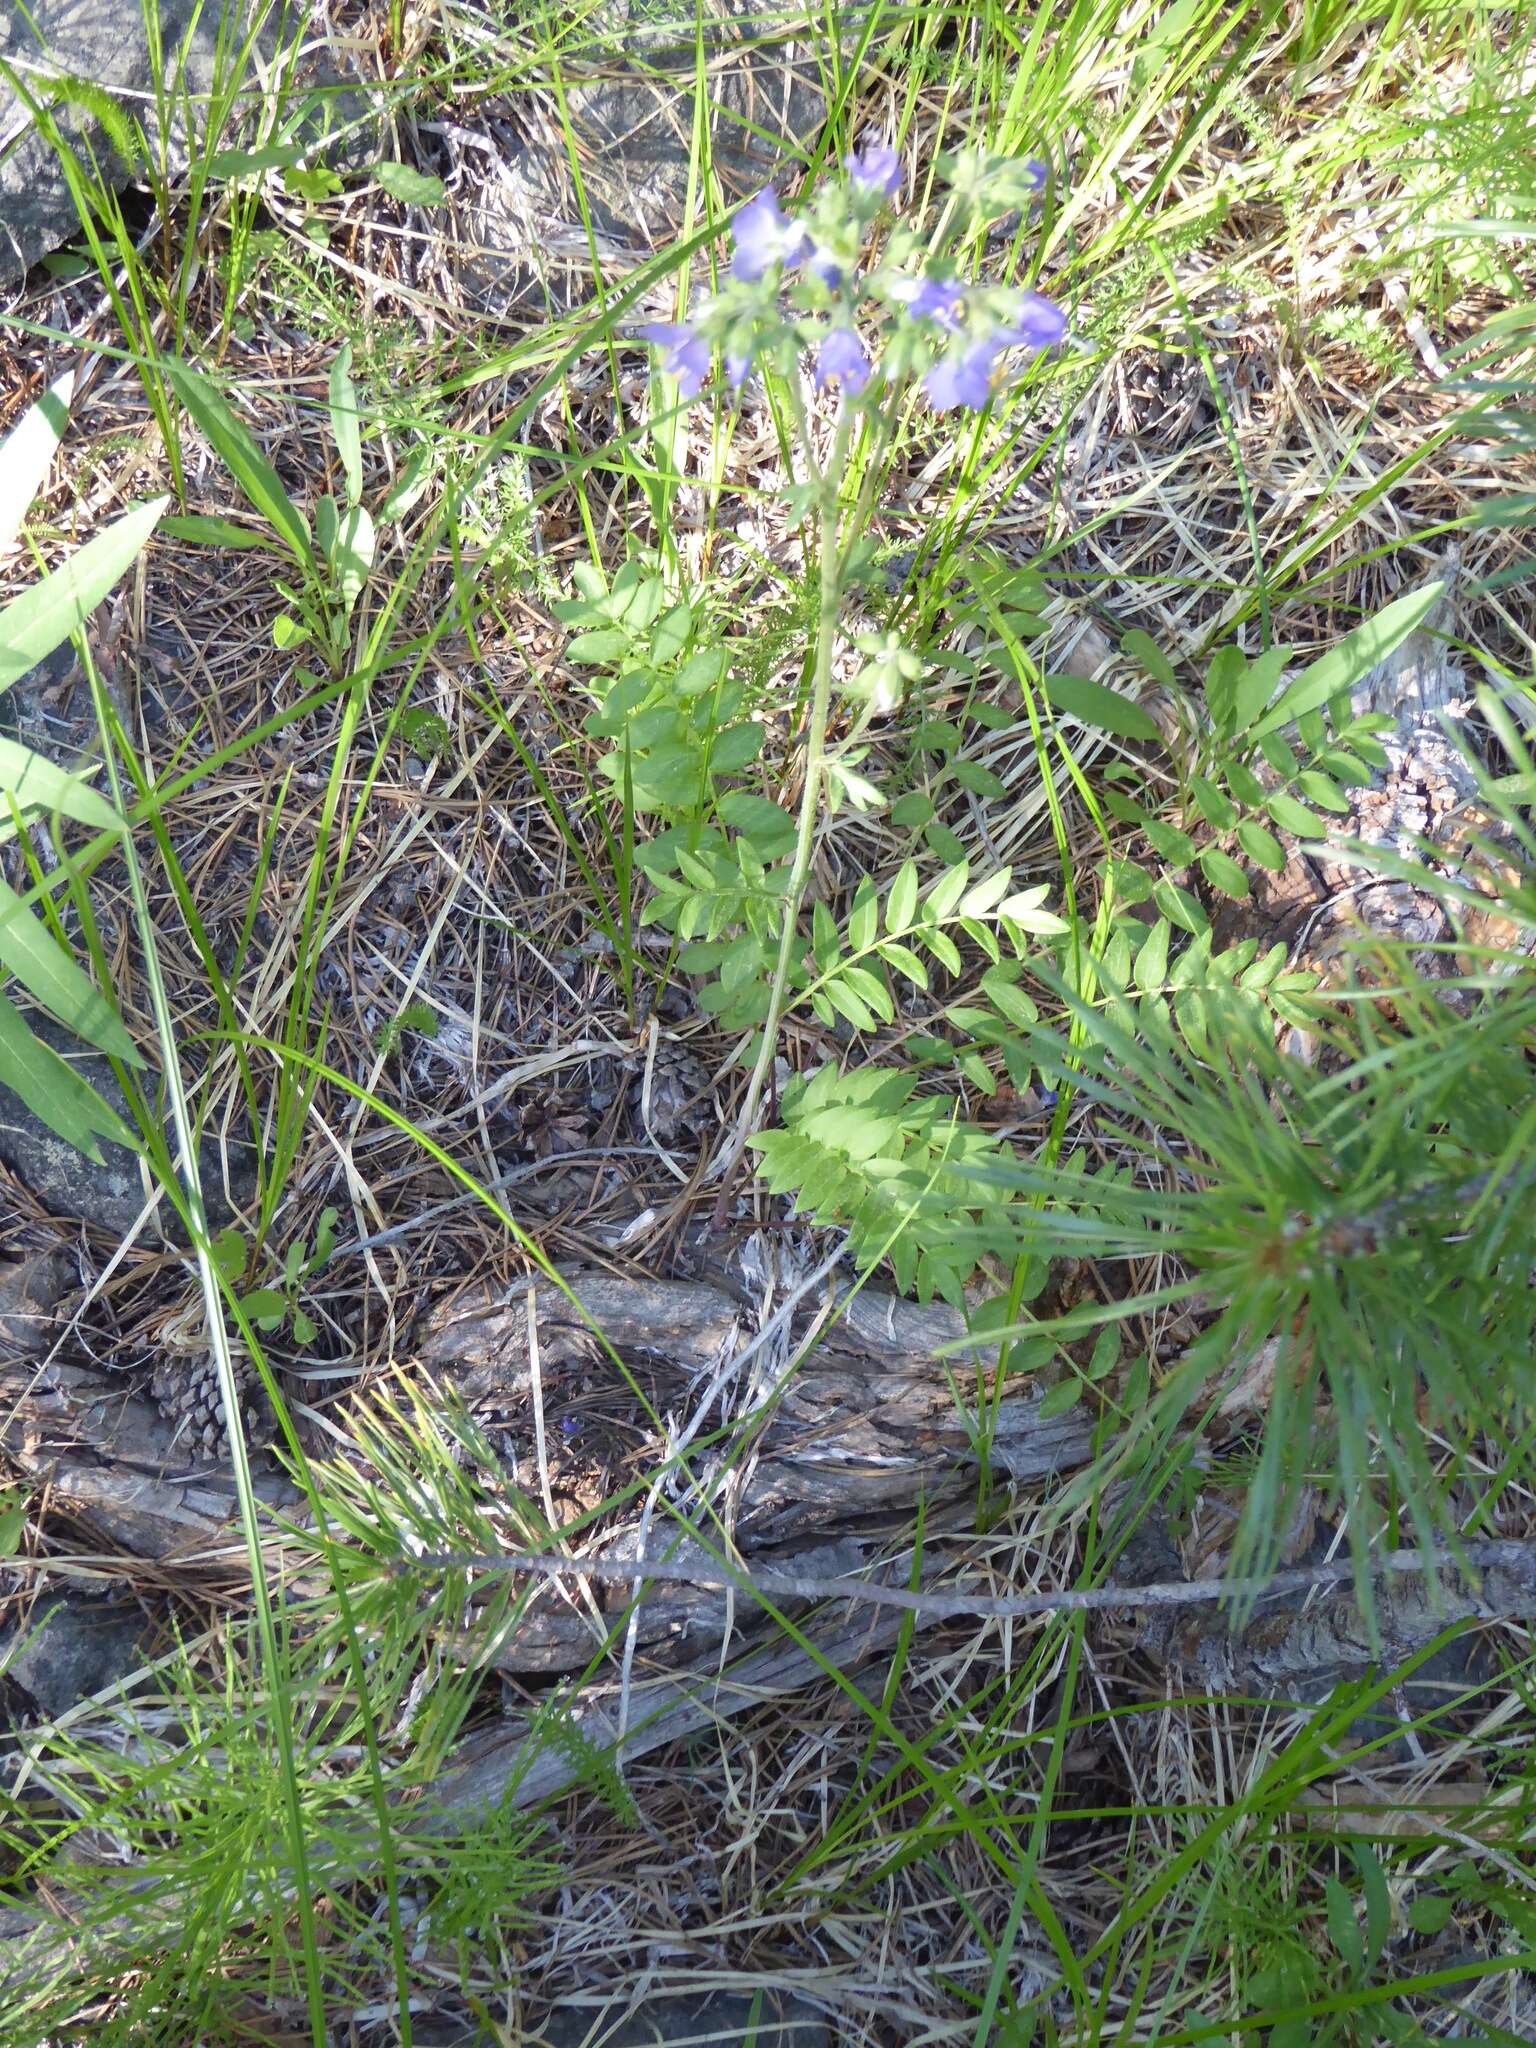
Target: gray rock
{"points": [[103, 42], [70, 1649], [721, 2019], [112, 1195], [521, 231], [30, 1292]]}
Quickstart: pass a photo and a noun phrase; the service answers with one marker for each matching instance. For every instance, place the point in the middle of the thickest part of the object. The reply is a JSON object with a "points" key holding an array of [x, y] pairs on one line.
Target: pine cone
{"points": [[682, 1107], [185, 1386]]}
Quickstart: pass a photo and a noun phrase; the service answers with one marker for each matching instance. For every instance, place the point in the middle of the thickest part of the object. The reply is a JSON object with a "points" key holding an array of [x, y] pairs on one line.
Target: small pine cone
{"points": [[682, 1107], [185, 1386]]}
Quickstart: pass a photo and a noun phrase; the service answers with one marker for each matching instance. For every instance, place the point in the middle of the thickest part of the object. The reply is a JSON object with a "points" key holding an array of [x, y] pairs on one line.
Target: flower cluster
{"points": [[953, 335]]}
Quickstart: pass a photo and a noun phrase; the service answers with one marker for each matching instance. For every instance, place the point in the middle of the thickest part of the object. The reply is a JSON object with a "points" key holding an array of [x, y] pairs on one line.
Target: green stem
{"points": [[273, 1662], [810, 794]]}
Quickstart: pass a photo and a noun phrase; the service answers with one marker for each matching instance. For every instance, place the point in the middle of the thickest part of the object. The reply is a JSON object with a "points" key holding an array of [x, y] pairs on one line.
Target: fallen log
{"points": [[843, 1441]]}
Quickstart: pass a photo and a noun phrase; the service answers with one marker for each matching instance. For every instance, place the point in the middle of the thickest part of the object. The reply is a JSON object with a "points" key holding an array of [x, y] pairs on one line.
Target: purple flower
{"points": [[845, 357], [963, 377], [877, 170], [764, 236], [940, 299], [1037, 324], [827, 268], [736, 369], [688, 355]]}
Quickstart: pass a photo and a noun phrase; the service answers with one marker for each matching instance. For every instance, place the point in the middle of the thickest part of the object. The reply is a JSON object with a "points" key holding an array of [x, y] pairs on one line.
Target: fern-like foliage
{"points": [[900, 1172]]}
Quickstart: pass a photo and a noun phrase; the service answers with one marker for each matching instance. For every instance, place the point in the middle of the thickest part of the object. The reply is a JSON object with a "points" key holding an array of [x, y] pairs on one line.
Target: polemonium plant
{"points": [[871, 324]]}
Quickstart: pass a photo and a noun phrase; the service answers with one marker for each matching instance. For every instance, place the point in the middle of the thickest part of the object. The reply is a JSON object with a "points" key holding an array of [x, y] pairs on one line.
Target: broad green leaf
{"points": [[1322, 790], [1025, 910], [1223, 873], [767, 826], [415, 475], [27, 451], [208, 531], [1257, 685], [980, 781], [1278, 755], [590, 650], [31, 952], [1430, 1913], [701, 672], [912, 810], [229, 1254], [345, 423], [671, 634], [37, 785], [902, 901], [1059, 1399], [1212, 804], [864, 917], [235, 447], [871, 992], [311, 182], [1010, 1002], [1343, 1931], [1097, 706], [1378, 1901], [986, 895], [1180, 906], [410, 187], [737, 748], [265, 1307], [847, 1003], [1142, 648], [354, 554], [1244, 784], [1152, 957], [245, 163], [53, 1091], [33, 624], [942, 947], [946, 893], [1261, 845], [1176, 847], [327, 527], [905, 961], [1228, 667], [941, 841], [1355, 656], [1292, 816]]}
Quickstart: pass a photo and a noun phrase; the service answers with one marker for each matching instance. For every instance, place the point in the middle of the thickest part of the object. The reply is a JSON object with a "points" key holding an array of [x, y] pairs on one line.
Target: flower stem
{"points": [[827, 617]]}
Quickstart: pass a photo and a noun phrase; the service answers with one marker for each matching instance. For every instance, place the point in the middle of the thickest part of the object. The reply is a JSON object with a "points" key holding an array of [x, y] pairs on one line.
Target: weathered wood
{"points": [[111, 1461], [842, 1441], [523, 1765], [868, 1422]]}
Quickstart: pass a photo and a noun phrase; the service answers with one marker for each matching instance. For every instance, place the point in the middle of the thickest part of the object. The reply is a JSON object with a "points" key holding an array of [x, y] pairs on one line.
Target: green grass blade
{"points": [[42, 618], [37, 784], [344, 422], [1356, 654], [53, 1091], [237, 449], [27, 451], [41, 965]]}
